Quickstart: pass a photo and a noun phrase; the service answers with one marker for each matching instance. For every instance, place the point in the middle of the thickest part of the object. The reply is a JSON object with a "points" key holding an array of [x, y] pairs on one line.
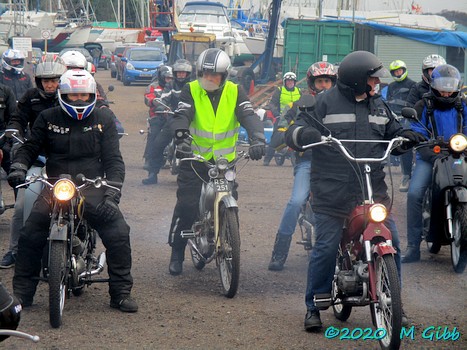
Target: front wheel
{"points": [[57, 282], [228, 256], [459, 241], [387, 311]]}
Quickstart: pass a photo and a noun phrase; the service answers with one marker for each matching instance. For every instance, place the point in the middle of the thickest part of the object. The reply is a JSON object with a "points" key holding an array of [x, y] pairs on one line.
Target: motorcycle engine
{"points": [[350, 282]]}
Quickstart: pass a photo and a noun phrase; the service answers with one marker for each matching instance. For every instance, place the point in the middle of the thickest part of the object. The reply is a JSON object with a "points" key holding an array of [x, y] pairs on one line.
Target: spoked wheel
{"points": [[387, 312], [228, 256], [459, 243], [341, 312], [57, 282]]}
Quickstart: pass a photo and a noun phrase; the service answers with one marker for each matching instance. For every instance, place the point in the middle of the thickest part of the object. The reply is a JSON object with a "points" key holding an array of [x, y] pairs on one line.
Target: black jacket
{"points": [[7, 105], [19, 83], [335, 186], [244, 112], [417, 91], [398, 92], [30, 105], [88, 146]]}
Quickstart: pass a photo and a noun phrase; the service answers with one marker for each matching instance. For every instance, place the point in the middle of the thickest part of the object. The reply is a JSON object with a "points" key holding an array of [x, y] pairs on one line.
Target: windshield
{"points": [[145, 55], [203, 14]]}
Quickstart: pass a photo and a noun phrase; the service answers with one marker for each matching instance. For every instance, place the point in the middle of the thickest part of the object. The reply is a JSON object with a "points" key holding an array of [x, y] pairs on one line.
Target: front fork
{"points": [[229, 202]]}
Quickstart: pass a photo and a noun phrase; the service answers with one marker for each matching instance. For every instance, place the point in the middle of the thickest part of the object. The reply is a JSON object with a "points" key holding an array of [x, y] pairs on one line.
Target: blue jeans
{"points": [[321, 266], [300, 192], [420, 181]]}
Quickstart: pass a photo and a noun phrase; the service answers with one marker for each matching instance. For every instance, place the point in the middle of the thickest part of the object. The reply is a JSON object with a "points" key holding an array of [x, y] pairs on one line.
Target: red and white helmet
{"points": [[91, 68], [74, 59], [320, 70], [77, 81]]}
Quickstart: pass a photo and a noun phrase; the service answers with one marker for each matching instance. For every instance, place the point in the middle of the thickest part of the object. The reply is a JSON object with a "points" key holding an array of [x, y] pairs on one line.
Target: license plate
{"points": [[145, 75], [221, 185]]}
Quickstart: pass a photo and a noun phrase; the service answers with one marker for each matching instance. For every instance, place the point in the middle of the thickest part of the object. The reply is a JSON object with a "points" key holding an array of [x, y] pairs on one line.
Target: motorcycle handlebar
{"points": [[12, 333], [391, 144]]}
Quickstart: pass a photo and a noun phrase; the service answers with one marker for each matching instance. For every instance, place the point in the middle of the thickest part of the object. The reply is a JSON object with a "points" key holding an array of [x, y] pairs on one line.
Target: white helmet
{"points": [[213, 61], [74, 59], [77, 81], [10, 55], [289, 76]]}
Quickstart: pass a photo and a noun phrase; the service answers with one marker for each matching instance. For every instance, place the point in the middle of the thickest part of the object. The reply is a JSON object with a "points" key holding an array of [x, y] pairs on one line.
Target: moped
{"points": [[365, 272], [446, 196]]}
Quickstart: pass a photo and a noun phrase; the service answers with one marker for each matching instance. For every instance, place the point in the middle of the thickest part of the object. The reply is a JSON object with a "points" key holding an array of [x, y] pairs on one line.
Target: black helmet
{"points": [[162, 73], [182, 65], [355, 69], [446, 78]]}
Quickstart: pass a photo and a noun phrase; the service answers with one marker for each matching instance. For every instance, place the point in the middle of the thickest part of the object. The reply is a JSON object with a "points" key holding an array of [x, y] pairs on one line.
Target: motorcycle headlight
{"points": [[378, 213], [64, 190], [222, 163], [230, 175], [458, 142]]}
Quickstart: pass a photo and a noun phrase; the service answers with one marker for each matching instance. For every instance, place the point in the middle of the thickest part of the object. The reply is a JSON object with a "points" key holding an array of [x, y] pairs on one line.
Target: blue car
{"points": [[141, 64]]}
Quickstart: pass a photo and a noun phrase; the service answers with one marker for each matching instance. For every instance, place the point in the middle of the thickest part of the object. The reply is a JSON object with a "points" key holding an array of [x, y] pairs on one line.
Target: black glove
{"points": [[10, 311], [307, 135], [109, 205], [257, 149], [17, 174], [427, 154], [183, 149], [414, 137]]}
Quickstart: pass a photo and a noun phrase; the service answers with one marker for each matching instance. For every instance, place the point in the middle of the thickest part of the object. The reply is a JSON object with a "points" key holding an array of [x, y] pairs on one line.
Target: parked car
{"points": [[113, 61], [79, 49], [105, 59], [141, 64], [119, 64]]}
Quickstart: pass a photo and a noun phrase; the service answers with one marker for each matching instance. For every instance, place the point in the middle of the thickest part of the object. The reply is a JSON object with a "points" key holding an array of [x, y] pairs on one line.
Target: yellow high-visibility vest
{"points": [[215, 134], [288, 96]]}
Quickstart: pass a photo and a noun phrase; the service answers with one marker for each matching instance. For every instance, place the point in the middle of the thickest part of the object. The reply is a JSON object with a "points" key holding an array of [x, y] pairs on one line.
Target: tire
{"points": [[106, 65], [341, 312], [228, 257], [57, 282], [113, 74], [125, 81], [279, 158], [459, 243], [387, 312]]}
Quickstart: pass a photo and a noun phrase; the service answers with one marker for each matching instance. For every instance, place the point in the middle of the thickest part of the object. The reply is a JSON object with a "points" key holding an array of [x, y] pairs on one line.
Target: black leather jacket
{"points": [[88, 146]]}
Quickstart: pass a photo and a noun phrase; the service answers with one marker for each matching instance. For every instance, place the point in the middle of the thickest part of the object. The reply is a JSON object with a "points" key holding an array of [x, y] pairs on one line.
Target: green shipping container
{"points": [[308, 41]]}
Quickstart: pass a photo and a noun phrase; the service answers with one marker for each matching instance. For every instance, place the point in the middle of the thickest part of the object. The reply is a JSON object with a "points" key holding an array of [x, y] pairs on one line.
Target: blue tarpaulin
{"points": [[444, 37]]}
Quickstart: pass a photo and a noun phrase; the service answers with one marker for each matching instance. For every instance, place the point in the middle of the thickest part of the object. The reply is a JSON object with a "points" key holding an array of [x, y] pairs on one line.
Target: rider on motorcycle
{"points": [[417, 91], [280, 100], [77, 138], [351, 110], [182, 75], [439, 111], [12, 73], [321, 76], [209, 98], [396, 96], [156, 119], [30, 105]]}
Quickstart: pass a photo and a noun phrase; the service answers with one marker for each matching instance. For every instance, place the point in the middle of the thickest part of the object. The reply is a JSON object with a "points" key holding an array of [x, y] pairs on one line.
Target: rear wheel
{"points": [[57, 282], [113, 74], [459, 243], [426, 216], [228, 256], [341, 312], [387, 312]]}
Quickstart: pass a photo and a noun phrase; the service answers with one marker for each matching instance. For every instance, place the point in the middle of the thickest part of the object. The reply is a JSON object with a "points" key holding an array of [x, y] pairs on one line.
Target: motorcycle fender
{"points": [[58, 233], [383, 248], [229, 201], [461, 194]]}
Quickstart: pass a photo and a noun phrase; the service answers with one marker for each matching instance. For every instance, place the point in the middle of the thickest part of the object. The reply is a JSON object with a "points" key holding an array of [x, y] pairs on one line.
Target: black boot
{"points": [[411, 255], [176, 261], [151, 180], [280, 252]]}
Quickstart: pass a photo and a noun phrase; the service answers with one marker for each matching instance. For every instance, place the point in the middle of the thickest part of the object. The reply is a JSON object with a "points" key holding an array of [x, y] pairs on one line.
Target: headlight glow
{"points": [[378, 213], [64, 190], [458, 142]]}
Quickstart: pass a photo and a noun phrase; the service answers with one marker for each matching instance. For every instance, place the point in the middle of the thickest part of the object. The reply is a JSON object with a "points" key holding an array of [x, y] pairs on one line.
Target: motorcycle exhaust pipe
{"points": [[100, 267]]}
